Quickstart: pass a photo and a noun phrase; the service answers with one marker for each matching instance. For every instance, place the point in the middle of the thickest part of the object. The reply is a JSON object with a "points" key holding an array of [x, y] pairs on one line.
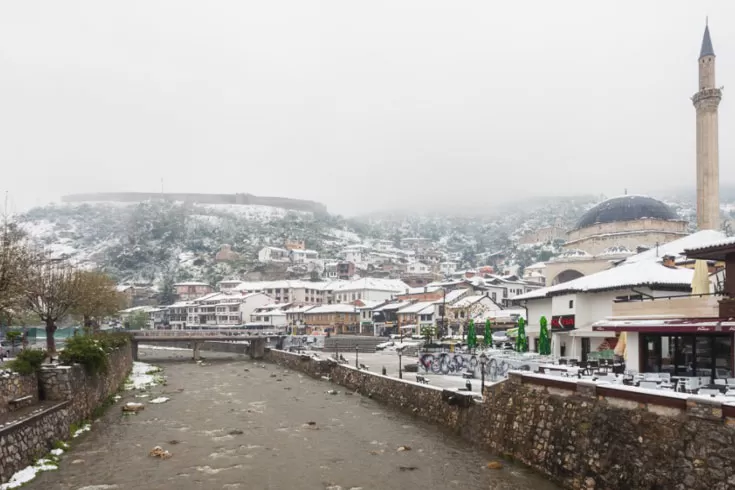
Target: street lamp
{"points": [[356, 357], [482, 385], [400, 371]]}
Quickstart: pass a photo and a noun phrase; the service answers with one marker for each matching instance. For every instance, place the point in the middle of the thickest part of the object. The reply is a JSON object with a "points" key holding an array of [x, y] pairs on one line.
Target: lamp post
{"points": [[356, 357], [400, 370], [336, 351], [482, 385]]}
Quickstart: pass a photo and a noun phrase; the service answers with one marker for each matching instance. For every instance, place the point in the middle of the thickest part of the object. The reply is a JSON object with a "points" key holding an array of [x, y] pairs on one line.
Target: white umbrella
{"points": [[700, 281]]}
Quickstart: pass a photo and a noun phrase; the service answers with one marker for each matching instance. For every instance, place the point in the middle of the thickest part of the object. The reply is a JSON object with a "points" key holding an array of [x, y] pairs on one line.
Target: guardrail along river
{"points": [[232, 423]]}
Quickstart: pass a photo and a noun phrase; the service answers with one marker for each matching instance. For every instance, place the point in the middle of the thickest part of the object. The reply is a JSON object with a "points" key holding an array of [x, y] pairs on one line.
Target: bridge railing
{"points": [[189, 333]]}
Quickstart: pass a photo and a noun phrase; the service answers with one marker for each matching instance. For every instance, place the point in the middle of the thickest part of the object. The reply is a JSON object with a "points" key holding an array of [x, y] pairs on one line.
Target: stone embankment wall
{"points": [[14, 386], [69, 396], [580, 435], [85, 391]]}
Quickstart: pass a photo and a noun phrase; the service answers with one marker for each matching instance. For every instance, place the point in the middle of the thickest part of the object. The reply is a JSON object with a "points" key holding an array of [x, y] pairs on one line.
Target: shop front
{"points": [[683, 348]]}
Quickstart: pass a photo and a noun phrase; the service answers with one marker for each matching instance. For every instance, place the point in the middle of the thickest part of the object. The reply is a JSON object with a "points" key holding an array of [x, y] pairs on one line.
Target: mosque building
{"points": [[622, 226]]}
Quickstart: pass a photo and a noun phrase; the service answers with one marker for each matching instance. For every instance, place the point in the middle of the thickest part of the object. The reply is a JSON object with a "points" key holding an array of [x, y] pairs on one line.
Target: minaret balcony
{"points": [[707, 94]]}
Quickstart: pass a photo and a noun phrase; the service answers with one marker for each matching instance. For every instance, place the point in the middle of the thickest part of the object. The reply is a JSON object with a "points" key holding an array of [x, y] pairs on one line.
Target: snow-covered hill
{"points": [[153, 240]]}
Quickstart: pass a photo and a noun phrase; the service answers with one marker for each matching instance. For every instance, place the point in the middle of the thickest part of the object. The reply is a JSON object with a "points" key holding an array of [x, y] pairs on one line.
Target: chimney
{"points": [[669, 261]]}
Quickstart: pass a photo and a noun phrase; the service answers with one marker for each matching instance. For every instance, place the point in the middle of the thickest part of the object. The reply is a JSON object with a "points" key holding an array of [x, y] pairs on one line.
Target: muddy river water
{"points": [[233, 424]]}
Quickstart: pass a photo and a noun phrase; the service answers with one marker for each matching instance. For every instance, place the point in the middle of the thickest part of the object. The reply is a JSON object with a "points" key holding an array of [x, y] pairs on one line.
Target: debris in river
{"points": [[404, 448], [159, 452], [408, 468], [133, 407], [332, 392], [160, 399], [236, 432], [495, 465]]}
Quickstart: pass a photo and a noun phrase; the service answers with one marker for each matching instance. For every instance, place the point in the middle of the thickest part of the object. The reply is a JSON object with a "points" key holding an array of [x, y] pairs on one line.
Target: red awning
{"points": [[673, 325]]}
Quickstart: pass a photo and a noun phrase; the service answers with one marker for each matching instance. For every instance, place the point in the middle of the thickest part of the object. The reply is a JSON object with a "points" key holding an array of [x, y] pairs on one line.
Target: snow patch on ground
{"points": [[81, 430], [143, 376], [160, 347], [29, 472], [160, 399]]}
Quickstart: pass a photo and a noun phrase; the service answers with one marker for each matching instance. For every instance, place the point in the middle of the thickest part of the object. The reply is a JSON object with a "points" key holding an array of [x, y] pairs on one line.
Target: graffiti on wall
{"points": [[495, 365]]}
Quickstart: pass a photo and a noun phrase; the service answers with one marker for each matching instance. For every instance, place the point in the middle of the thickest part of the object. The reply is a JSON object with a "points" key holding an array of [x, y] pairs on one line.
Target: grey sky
{"points": [[360, 105]]}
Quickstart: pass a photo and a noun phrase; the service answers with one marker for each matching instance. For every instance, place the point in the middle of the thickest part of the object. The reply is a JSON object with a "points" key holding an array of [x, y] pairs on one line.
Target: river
{"points": [[231, 423]]}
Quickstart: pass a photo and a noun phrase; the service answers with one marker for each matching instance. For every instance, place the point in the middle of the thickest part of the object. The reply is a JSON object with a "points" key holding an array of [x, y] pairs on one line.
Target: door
{"points": [[585, 348]]}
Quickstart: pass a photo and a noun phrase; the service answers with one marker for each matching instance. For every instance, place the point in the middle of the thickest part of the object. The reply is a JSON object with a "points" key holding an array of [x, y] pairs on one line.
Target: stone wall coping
{"points": [[55, 366], [31, 418], [406, 381], [353, 368], [706, 400]]}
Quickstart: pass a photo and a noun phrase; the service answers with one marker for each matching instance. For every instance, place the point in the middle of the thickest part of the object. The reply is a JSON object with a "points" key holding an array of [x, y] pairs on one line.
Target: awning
{"points": [[662, 326]]}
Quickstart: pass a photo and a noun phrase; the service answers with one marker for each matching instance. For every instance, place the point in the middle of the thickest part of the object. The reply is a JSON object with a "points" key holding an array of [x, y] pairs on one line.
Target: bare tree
{"points": [[96, 298], [15, 260], [52, 290]]}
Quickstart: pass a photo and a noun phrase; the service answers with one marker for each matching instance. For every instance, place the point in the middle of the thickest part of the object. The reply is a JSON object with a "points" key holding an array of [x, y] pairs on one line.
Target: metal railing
{"points": [[191, 333]]}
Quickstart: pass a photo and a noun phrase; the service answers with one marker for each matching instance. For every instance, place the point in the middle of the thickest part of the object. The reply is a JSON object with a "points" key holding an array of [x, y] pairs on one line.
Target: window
{"points": [[571, 304]]}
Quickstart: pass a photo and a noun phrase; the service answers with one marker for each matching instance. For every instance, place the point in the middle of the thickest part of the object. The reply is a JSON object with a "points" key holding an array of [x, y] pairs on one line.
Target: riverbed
{"points": [[231, 423]]}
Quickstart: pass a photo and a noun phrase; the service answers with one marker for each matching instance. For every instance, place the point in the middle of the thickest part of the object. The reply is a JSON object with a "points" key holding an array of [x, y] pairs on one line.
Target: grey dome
{"points": [[626, 208]]}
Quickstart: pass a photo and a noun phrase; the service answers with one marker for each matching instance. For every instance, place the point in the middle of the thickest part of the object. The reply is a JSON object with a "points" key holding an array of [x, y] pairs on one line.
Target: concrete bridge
{"points": [[236, 340]]}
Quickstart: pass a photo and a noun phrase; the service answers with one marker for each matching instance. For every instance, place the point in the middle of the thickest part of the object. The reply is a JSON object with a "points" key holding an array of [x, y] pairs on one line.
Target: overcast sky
{"points": [[359, 105]]}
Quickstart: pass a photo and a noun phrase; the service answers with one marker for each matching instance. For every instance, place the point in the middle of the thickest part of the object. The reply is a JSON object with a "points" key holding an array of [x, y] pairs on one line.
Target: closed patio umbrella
{"points": [[621, 349], [700, 281]]}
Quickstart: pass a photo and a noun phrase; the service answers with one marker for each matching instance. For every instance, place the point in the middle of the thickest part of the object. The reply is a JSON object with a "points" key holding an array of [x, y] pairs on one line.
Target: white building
{"points": [[368, 289], [287, 291], [222, 309], [299, 256], [271, 314], [572, 307], [535, 273], [273, 254], [418, 268], [228, 285], [447, 268]]}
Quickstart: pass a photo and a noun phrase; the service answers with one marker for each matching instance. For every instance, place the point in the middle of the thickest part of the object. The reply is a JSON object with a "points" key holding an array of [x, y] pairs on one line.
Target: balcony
{"points": [[683, 306]]}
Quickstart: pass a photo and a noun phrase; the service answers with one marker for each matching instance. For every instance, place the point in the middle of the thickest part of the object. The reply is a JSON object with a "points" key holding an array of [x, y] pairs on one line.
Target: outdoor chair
{"points": [[721, 382], [689, 384], [649, 385], [708, 392], [730, 381], [562, 362]]}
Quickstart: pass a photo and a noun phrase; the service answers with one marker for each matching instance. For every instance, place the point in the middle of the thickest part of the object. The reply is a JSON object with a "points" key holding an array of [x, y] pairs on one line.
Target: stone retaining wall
{"points": [[31, 438], [14, 386], [580, 435], [70, 396], [86, 392]]}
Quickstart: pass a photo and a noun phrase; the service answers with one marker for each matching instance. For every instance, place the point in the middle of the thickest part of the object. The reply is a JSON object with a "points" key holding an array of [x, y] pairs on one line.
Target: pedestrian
{"points": [[2, 353]]}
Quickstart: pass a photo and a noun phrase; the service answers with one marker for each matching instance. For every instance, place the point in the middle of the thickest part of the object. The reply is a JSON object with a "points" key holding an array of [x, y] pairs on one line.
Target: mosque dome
{"points": [[626, 208]]}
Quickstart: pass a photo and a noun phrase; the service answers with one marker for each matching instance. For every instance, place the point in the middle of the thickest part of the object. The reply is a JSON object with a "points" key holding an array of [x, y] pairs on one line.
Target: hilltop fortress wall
{"points": [[242, 199]]}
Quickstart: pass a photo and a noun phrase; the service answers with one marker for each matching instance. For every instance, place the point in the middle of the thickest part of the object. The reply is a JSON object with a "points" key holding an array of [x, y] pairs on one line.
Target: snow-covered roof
{"points": [[135, 308], [429, 309], [230, 281], [274, 306], [644, 273], [299, 309], [453, 296], [282, 284], [335, 308], [416, 307], [423, 289], [369, 305], [191, 283], [468, 301], [676, 248], [537, 265], [720, 243], [375, 284], [397, 305]]}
